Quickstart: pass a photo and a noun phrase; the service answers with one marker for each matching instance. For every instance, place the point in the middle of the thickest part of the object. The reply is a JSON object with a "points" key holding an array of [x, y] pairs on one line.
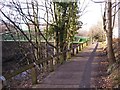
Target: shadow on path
{"points": [[76, 73], [86, 78]]}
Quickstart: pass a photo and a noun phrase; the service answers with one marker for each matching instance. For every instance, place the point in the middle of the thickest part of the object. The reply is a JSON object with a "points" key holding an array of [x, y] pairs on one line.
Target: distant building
{"points": [[6, 33], [13, 34], [4, 29], [10, 33], [41, 26]]}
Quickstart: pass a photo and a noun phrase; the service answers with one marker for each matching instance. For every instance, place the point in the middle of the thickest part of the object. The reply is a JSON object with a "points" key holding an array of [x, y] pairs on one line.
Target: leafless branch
{"points": [[116, 4], [114, 16], [83, 8], [115, 12], [17, 28], [104, 19], [8, 29], [98, 1]]}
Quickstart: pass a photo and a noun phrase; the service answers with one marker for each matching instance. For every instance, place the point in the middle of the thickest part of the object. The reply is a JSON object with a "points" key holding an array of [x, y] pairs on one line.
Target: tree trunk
{"points": [[110, 51], [56, 34]]}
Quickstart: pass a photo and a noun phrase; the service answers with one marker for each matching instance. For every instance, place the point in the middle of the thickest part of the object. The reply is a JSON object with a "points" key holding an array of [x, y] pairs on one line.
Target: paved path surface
{"points": [[78, 72]]}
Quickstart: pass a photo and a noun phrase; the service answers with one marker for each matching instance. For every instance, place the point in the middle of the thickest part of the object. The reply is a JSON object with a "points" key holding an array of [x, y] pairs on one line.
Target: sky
{"points": [[92, 16]]}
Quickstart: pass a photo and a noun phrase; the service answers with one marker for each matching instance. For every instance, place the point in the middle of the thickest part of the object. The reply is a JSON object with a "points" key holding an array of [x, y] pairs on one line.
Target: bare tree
{"points": [[108, 23], [29, 16], [96, 32]]}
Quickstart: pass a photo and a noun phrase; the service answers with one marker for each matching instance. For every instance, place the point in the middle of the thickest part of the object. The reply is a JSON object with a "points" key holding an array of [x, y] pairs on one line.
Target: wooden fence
{"points": [[48, 64]]}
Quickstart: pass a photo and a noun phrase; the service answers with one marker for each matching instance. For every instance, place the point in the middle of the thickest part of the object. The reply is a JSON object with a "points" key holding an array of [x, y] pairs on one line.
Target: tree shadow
{"points": [[85, 81]]}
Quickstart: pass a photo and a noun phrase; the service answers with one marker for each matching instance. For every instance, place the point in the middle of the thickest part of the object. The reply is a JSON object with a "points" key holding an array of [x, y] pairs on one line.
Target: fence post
{"points": [[82, 45], [79, 47], [68, 54], [73, 51], [87, 42], [51, 65], [34, 76], [61, 58], [45, 67], [56, 60]]}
